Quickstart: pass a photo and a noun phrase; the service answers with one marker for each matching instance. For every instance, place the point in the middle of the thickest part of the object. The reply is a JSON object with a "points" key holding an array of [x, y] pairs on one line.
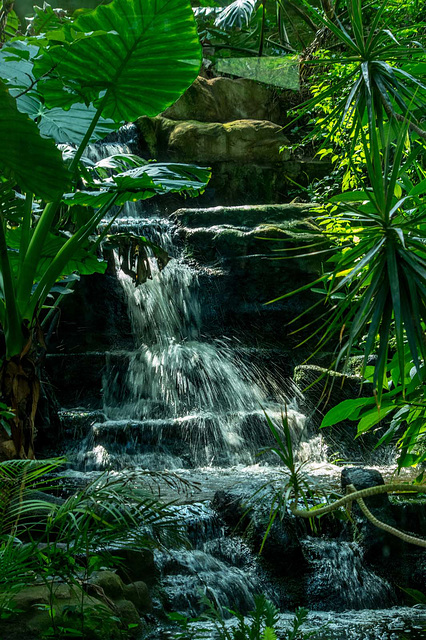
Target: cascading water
{"points": [[180, 400]]}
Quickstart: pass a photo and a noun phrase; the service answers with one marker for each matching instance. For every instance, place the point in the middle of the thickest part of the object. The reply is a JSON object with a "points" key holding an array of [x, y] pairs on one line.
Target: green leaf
{"points": [[350, 196], [346, 410], [32, 161], [269, 634], [149, 54], [373, 417], [144, 182], [70, 126]]}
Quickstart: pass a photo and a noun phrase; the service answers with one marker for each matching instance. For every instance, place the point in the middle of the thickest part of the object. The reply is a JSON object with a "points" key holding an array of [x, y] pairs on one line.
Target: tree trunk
{"points": [[20, 390]]}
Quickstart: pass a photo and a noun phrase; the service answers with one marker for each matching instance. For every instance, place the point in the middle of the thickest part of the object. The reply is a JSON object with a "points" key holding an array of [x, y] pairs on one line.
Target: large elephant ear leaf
{"points": [[30, 160], [145, 55]]}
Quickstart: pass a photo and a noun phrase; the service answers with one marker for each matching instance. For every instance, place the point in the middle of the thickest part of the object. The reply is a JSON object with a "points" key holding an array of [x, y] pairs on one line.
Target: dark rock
{"points": [[229, 507], [109, 582], [244, 216], [136, 565], [282, 549], [322, 390], [339, 578], [379, 546], [363, 478], [138, 593], [33, 622], [91, 324], [128, 615]]}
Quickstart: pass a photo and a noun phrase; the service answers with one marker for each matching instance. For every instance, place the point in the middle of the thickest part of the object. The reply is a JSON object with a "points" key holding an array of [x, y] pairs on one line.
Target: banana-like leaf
{"points": [[70, 126], [16, 68], [143, 182], [84, 262], [236, 15], [146, 57], [25, 156]]}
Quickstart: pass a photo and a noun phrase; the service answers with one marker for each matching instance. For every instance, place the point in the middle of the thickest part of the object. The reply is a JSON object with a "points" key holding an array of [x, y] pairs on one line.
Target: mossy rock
{"points": [[109, 582], [244, 141], [72, 609], [225, 99], [138, 593]]}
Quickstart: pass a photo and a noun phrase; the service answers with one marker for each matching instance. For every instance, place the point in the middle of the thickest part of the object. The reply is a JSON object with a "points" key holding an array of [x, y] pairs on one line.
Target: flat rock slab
{"points": [[244, 216]]}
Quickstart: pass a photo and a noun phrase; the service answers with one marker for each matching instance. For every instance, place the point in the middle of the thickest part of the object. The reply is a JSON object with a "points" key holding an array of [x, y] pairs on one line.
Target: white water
{"points": [[179, 400]]}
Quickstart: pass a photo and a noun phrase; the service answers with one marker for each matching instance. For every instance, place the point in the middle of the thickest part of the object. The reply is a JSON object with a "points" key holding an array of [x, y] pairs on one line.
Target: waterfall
{"points": [[179, 399]]}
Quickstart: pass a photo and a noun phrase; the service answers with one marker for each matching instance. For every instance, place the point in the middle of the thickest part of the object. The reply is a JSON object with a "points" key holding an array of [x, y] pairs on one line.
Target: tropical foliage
{"points": [[260, 624], [50, 207], [374, 232], [44, 540]]}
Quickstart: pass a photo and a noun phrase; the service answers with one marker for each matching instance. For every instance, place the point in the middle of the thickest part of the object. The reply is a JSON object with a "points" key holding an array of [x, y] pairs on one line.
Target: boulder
{"points": [[244, 141], [225, 99], [136, 565], [7, 450], [129, 616], [109, 582], [362, 478], [138, 593], [245, 156], [32, 605]]}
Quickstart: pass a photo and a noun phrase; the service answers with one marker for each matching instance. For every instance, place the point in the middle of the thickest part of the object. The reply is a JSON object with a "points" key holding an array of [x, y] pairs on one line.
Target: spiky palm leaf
{"points": [[376, 83]]}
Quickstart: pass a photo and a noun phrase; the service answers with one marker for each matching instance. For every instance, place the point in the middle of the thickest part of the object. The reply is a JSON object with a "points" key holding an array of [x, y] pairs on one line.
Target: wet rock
{"points": [[226, 99], [237, 245], [138, 593], [109, 582], [229, 507], [136, 565], [377, 543], [363, 478], [244, 216], [339, 578], [129, 616], [281, 549], [319, 397]]}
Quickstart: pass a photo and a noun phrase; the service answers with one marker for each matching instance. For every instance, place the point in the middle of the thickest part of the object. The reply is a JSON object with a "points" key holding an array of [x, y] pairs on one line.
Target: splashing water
{"points": [[178, 400]]}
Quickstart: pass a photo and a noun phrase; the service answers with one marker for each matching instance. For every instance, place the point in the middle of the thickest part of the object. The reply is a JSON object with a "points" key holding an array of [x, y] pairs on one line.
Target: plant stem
{"points": [[12, 329], [66, 252], [88, 135], [44, 225], [26, 228], [262, 32]]}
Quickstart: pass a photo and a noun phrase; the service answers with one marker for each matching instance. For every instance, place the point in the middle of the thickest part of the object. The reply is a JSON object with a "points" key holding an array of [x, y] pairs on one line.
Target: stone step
{"points": [[244, 216], [246, 141], [250, 159], [78, 379]]}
